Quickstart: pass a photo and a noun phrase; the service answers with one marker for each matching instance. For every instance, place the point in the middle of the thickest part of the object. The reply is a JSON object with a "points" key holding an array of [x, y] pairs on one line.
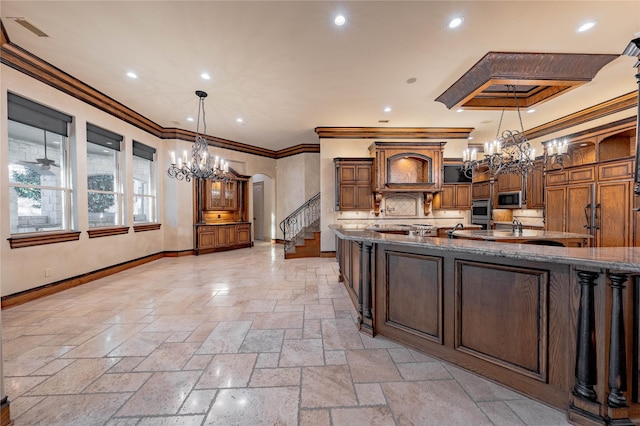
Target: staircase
{"points": [[301, 230]]}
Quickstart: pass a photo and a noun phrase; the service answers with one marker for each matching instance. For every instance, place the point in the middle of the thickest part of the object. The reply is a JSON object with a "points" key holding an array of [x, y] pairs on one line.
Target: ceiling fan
{"points": [[45, 163]]}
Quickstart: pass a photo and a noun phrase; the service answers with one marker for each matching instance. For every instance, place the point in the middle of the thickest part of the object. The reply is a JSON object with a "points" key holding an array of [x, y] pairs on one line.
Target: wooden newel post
{"points": [[586, 368], [617, 350]]}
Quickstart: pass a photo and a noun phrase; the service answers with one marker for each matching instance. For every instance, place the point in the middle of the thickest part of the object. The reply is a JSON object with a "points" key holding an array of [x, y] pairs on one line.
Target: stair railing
{"points": [[305, 218]]}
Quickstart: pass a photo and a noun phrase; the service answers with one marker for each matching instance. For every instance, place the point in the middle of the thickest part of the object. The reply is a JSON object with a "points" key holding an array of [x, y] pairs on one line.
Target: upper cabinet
{"points": [[408, 166], [606, 143], [354, 183], [509, 183]]}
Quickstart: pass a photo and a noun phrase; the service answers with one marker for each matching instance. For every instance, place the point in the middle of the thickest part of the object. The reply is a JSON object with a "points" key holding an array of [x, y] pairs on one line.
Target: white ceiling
{"points": [[285, 68]]}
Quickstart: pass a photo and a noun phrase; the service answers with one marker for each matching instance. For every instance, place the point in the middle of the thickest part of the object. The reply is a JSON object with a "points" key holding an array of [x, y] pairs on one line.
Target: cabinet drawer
{"points": [[582, 174], [616, 171]]}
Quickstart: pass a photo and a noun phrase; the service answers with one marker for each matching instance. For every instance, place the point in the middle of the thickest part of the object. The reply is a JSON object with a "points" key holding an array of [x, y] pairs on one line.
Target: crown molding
{"points": [[393, 132], [38, 69], [603, 109], [27, 63]]}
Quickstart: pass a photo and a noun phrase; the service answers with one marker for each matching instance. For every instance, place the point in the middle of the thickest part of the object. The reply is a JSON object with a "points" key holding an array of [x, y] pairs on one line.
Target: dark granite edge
{"points": [[612, 258]]}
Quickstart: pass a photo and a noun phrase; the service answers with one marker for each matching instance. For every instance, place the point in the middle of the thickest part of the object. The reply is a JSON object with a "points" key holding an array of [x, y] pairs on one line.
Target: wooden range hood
{"points": [[407, 167]]}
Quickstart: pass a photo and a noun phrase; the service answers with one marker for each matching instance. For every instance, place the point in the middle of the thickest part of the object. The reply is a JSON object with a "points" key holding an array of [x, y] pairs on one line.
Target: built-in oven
{"points": [[510, 200], [481, 213]]}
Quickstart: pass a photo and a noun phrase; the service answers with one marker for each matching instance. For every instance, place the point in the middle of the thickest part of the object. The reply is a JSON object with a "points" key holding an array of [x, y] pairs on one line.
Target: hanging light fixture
{"points": [[509, 153], [555, 154], [199, 165]]}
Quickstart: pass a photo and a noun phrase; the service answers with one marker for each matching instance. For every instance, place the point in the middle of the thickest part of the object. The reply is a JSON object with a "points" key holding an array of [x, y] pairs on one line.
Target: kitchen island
{"points": [[526, 236], [559, 324]]}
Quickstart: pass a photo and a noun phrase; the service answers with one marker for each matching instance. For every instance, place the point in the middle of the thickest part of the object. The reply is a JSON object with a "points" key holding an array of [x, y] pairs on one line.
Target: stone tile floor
{"points": [[233, 338]]}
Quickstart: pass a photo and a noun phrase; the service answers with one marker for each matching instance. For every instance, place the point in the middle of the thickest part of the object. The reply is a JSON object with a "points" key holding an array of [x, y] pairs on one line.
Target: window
{"points": [[103, 177], [144, 187], [39, 179]]}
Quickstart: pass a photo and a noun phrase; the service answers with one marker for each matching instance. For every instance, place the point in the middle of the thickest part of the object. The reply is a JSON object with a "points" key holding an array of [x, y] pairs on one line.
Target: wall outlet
{"points": [[47, 272]]}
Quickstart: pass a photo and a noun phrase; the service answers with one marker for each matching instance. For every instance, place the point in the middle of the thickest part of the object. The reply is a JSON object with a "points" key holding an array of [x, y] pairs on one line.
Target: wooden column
{"points": [[367, 319], [586, 368], [617, 349], [360, 280]]}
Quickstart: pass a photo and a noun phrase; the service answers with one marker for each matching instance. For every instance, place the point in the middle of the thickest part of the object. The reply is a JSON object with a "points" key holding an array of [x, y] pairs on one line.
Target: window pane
{"points": [[104, 209], [38, 195], [103, 198], [142, 176], [143, 208], [31, 160], [35, 209]]}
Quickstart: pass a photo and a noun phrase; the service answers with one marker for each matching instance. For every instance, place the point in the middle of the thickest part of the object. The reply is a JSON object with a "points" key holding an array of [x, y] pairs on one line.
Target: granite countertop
{"points": [[525, 234], [612, 258], [409, 227]]}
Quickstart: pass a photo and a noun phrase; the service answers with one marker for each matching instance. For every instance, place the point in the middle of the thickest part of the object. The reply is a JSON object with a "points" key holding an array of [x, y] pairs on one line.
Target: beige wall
{"points": [[297, 180], [23, 269]]}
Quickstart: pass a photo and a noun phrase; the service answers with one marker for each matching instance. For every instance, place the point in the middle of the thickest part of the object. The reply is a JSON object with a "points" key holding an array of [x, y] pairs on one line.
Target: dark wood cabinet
{"points": [[480, 190], [614, 214], [221, 215], [211, 238], [535, 187], [508, 183], [456, 196], [354, 183], [594, 199], [408, 166]]}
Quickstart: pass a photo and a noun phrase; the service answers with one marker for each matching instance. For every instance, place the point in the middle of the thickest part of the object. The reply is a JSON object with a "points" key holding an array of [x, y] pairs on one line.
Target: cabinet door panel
{"points": [[535, 188], [347, 173], [347, 197], [555, 210], [222, 235], [364, 174], [463, 196], [578, 197], [613, 214], [244, 234]]}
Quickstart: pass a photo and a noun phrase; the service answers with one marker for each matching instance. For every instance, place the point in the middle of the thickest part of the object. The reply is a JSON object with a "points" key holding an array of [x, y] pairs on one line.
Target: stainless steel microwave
{"points": [[510, 200]]}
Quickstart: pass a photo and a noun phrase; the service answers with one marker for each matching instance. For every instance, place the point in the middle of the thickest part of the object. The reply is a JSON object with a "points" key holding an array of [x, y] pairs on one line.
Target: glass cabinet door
{"points": [[221, 195]]}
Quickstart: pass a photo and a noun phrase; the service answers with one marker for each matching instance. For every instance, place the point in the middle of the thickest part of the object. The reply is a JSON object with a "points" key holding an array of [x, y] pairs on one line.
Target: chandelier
{"points": [[509, 153], [200, 165], [555, 154]]}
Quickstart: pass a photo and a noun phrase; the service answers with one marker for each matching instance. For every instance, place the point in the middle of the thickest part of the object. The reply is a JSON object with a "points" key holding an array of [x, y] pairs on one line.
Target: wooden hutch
{"points": [[221, 212]]}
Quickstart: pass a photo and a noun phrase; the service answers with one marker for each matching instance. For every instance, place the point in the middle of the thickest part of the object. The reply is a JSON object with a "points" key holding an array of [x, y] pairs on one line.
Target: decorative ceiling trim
{"points": [[393, 132], [612, 106], [550, 74], [38, 69], [311, 148]]}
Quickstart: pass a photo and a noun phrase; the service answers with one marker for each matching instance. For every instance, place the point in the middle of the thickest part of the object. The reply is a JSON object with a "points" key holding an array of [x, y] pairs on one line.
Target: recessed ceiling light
{"points": [[412, 80], [459, 110], [470, 137], [205, 76], [189, 118], [584, 144], [455, 22], [132, 74], [531, 110], [586, 26], [340, 20], [239, 120], [106, 151], [387, 109]]}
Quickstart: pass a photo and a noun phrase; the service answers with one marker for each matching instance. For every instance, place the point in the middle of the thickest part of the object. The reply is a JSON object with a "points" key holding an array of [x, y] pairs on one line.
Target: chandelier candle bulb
{"points": [[173, 157]]}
